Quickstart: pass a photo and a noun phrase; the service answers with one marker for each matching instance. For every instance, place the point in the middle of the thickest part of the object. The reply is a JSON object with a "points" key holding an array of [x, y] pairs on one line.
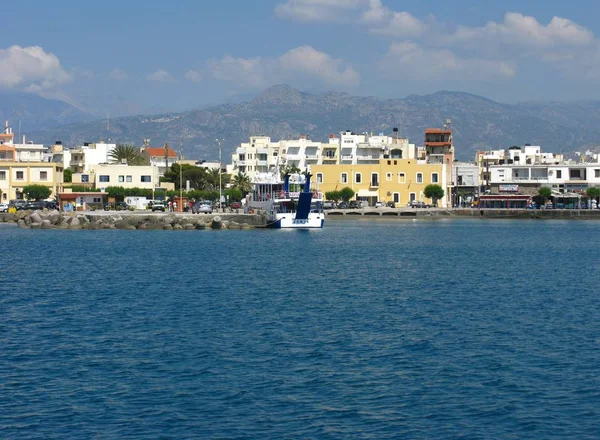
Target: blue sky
{"points": [[127, 57]]}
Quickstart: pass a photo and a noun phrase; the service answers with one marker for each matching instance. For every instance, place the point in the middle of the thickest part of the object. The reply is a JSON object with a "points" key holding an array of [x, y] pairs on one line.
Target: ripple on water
{"points": [[373, 330]]}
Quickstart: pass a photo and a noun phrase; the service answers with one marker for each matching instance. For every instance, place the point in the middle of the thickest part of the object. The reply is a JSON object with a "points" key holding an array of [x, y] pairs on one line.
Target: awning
{"points": [[367, 193]]}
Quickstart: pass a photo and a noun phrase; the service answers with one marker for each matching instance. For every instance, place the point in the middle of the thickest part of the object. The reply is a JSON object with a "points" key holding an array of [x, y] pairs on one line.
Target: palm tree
{"points": [[242, 182], [212, 179], [127, 154]]}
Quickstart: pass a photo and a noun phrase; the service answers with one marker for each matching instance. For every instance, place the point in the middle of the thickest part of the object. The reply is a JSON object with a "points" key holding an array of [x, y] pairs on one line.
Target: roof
{"points": [[437, 131], [159, 152]]}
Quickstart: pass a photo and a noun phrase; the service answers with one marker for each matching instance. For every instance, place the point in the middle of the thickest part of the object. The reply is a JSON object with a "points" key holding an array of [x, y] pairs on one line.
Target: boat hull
{"points": [[314, 221]]}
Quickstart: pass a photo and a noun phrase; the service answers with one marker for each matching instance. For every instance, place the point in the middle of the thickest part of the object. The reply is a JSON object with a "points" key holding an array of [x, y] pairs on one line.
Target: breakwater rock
{"points": [[131, 221]]}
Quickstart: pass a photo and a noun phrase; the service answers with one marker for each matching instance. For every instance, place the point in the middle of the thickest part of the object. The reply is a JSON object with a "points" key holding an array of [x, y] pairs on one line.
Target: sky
{"points": [[129, 56]]}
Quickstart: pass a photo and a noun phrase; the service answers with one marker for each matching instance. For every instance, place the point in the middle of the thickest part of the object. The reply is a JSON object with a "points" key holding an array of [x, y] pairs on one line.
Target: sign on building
{"points": [[508, 188]]}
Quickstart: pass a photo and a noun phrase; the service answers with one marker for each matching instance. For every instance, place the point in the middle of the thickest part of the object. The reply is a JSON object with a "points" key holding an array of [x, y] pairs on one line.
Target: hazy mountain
{"points": [[283, 112], [37, 113]]}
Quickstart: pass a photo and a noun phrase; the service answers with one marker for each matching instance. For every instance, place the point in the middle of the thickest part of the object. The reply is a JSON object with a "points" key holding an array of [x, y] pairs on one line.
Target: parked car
{"points": [[158, 206], [380, 205], [353, 204], [203, 206], [417, 204], [35, 205], [52, 205], [328, 205], [122, 206], [17, 204], [342, 205], [3, 207], [235, 205], [391, 204]]}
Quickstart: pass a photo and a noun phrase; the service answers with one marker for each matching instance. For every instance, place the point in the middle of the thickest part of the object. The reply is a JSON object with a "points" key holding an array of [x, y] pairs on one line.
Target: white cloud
{"points": [[193, 75], [31, 69], [521, 30], [409, 60], [303, 63], [118, 74], [160, 75], [382, 20], [318, 10]]}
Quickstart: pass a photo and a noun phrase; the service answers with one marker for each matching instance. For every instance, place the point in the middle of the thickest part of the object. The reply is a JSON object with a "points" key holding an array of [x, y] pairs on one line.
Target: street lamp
{"points": [[220, 172], [180, 182]]}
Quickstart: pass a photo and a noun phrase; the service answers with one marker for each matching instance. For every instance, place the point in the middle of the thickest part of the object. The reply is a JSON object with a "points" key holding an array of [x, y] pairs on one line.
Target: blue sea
{"points": [[367, 329]]}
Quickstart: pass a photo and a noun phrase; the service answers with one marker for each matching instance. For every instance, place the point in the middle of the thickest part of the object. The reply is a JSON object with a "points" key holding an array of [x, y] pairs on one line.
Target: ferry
{"points": [[289, 209]]}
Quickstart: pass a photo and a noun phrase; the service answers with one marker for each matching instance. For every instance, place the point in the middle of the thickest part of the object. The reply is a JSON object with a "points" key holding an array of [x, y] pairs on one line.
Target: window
{"points": [[19, 175], [388, 177], [344, 178], [97, 199], [401, 178], [128, 179], [85, 178], [374, 179], [121, 179], [2, 175], [104, 178], [319, 177], [419, 177], [43, 175], [435, 178], [330, 154], [596, 173], [396, 198], [413, 197], [358, 178], [559, 174], [146, 179]]}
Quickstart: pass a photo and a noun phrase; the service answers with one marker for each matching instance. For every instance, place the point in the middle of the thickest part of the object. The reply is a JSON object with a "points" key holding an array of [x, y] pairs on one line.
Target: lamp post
{"points": [[220, 172], [180, 182]]}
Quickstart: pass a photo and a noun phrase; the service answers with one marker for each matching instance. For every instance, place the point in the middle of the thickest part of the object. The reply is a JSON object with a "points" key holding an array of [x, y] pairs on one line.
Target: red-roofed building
{"points": [[161, 157]]}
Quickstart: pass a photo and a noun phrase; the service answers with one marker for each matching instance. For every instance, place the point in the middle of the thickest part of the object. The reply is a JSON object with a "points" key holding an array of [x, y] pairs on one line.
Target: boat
{"points": [[290, 209]]}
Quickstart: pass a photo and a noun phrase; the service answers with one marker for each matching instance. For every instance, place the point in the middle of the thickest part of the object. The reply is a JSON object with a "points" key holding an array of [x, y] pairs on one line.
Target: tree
{"points": [[434, 192], [234, 194], [346, 194], [36, 192], [333, 196], [593, 192], [290, 169], [544, 192], [127, 153], [67, 175], [242, 182], [196, 175]]}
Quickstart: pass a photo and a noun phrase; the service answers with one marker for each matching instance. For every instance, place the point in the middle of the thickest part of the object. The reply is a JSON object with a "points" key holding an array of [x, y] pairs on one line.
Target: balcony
{"points": [[261, 163], [240, 163], [312, 157], [367, 157], [435, 160], [329, 158], [262, 151], [346, 157]]}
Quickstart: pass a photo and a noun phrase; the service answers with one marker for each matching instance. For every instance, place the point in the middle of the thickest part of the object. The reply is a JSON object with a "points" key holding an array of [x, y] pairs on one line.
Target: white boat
{"points": [[290, 209]]}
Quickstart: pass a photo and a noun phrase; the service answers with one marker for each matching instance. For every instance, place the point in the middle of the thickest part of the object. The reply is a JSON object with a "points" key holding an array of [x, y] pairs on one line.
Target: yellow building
{"points": [[14, 176], [391, 180]]}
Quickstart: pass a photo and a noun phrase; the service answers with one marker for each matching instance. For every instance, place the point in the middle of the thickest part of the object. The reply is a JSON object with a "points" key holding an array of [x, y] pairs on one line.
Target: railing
{"points": [[346, 157], [312, 157]]}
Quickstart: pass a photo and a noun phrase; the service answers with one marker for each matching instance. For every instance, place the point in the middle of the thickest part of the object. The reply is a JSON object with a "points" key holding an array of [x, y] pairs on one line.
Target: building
{"points": [[14, 176], [160, 157], [22, 165], [126, 176], [84, 159], [256, 157], [389, 180], [465, 182], [80, 201]]}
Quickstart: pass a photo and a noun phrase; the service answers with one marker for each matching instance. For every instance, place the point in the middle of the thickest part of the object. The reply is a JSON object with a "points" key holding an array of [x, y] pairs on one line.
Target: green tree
{"points": [[127, 153], [333, 196], [434, 192], [36, 192], [544, 192], [67, 175], [242, 182], [593, 192], [196, 176], [291, 169], [346, 194], [234, 194]]}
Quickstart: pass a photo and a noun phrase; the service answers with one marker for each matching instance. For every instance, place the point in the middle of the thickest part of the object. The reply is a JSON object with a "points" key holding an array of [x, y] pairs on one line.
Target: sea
{"points": [[366, 329]]}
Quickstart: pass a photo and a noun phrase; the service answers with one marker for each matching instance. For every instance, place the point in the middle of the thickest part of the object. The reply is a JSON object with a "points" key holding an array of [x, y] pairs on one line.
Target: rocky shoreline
{"points": [[78, 221]]}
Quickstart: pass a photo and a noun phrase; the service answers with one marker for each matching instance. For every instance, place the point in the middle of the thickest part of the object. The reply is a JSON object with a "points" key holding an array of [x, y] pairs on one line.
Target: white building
{"points": [[126, 176], [262, 156], [161, 157], [84, 159]]}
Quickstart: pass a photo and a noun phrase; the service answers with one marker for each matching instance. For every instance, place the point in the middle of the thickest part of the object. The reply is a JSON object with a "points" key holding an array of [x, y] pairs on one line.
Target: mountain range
{"points": [[37, 113], [283, 112]]}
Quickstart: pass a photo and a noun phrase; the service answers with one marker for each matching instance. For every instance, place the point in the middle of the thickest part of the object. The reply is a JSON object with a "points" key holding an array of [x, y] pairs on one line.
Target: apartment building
{"points": [[84, 159], [126, 176], [388, 180], [22, 165], [161, 157]]}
